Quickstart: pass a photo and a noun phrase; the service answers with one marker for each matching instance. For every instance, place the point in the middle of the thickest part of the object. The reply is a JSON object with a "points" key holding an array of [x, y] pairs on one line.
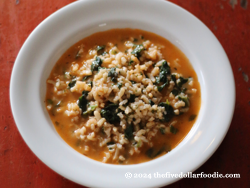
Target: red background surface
{"points": [[19, 167]]}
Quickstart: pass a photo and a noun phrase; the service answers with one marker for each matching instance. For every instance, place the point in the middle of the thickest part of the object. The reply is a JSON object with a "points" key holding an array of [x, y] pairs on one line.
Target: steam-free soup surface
{"points": [[123, 96]]}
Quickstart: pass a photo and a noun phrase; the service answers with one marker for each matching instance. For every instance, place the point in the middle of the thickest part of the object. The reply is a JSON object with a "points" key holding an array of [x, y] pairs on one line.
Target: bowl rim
{"points": [[214, 144]]}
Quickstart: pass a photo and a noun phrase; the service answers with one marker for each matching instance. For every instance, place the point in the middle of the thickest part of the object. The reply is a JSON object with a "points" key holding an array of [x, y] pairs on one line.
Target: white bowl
{"points": [[67, 26]]}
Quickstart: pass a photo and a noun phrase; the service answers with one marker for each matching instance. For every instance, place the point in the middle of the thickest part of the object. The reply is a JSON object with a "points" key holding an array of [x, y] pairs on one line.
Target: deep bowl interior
{"points": [[72, 38]]}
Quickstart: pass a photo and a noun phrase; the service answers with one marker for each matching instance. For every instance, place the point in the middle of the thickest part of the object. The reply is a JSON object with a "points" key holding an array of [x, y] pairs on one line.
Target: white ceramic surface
{"points": [[62, 29]]}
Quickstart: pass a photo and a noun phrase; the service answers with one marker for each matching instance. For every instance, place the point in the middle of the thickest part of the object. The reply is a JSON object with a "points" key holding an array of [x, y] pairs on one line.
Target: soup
{"points": [[123, 96]]}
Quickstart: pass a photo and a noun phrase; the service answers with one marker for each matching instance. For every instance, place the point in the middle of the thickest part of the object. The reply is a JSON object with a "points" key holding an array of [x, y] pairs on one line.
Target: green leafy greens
{"points": [[129, 132], [181, 81], [89, 110], [137, 51], [82, 101], [72, 83], [169, 109], [113, 75], [185, 100], [110, 114], [100, 49], [173, 129], [96, 64]]}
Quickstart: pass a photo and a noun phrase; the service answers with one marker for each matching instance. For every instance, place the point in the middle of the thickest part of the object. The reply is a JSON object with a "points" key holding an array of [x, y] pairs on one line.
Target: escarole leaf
{"points": [[152, 152], [89, 110], [175, 92], [96, 64], [113, 75], [82, 101], [129, 132], [110, 114], [185, 100], [130, 62], [119, 85], [164, 71], [192, 117], [72, 83], [173, 77], [162, 130], [100, 49], [181, 81], [173, 129], [160, 88], [137, 51], [132, 98], [169, 109], [151, 102], [85, 78]]}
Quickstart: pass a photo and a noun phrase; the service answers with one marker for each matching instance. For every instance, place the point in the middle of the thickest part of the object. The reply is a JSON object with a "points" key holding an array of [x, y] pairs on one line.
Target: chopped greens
{"points": [[99, 68], [181, 81], [160, 88], [184, 99], [184, 90], [133, 82], [110, 114], [129, 132], [173, 129], [119, 85], [85, 78], [96, 64], [90, 110], [132, 98], [113, 74], [162, 130], [110, 143], [152, 153], [72, 83], [169, 109], [104, 53], [192, 117], [164, 71], [173, 77], [157, 80], [135, 40], [100, 49], [160, 151], [82, 101], [137, 51], [130, 62], [151, 102], [175, 92]]}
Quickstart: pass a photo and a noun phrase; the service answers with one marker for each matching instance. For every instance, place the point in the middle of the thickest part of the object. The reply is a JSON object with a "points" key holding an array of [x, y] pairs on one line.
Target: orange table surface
{"points": [[229, 20]]}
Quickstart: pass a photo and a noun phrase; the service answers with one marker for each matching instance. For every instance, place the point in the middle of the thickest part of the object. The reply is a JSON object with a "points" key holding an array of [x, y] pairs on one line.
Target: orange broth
{"points": [[118, 37]]}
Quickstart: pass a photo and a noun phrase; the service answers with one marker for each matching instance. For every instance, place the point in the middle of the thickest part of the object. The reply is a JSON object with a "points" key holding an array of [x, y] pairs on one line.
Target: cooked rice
{"points": [[144, 117]]}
